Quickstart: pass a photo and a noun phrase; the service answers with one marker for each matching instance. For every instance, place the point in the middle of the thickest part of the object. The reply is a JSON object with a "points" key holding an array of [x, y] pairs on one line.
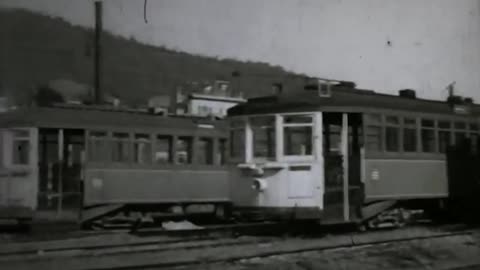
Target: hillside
{"points": [[36, 49]]}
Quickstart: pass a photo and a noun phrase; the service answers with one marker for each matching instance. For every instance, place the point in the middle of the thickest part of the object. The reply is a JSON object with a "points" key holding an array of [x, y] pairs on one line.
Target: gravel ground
{"points": [[449, 253]]}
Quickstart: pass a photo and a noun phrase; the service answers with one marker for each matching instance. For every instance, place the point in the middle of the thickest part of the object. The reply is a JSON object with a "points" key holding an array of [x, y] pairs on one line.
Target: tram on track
{"points": [[78, 163], [340, 154]]}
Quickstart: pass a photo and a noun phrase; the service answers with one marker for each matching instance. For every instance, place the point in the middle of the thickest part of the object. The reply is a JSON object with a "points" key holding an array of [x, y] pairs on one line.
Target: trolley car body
{"points": [[344, 156], [79, 162]]}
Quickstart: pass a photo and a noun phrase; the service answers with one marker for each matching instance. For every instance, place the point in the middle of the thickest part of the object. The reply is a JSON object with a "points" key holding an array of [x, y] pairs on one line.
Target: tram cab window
{"points": [[373, 133], [121, 147], [409, 135], [297, 135], [98, 150], [237, 139], [263, 129], [143, 149], [392, 134], [21, 147], [163, 149], [428, 135], [183, 150], [205, 151]]}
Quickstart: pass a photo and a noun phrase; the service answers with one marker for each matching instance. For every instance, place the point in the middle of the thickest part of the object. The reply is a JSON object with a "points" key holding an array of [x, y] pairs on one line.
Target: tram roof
{"points": [[344, 100], [84, 117]]}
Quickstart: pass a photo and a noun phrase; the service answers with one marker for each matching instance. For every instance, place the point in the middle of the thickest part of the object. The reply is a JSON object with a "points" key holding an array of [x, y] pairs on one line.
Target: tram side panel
{"points": [[18, 173], [405, 179], [109, 185]]}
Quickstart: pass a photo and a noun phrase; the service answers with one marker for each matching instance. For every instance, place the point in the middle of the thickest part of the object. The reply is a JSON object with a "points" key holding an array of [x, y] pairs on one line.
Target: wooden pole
{"points": [[98, 52]]}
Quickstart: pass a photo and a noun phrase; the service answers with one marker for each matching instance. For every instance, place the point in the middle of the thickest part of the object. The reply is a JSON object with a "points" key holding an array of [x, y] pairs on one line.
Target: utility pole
{"points": [[98, 52]]}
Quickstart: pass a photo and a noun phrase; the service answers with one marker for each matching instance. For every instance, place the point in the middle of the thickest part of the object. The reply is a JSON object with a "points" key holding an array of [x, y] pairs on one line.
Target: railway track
{"points": [[157, 253]]}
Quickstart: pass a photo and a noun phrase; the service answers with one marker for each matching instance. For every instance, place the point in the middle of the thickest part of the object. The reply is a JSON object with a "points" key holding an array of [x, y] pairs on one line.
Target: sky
{"points": [[385, 45]]}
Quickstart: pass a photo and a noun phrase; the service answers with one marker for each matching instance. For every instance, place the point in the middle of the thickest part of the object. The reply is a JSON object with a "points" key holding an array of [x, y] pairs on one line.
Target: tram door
{"points": [[342, 166], [60, 174]]}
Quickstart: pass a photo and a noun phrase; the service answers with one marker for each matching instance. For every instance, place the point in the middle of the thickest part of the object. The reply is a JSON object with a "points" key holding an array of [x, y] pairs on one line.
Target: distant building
{"points": [[206, 99]]}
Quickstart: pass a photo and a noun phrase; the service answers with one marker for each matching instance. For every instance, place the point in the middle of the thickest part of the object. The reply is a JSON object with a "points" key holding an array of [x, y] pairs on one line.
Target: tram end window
{"points": [[297, 140]]}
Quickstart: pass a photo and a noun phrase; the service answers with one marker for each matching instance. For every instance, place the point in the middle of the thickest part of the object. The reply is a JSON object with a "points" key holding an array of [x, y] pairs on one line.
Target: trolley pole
{"points": [[98, 52]]}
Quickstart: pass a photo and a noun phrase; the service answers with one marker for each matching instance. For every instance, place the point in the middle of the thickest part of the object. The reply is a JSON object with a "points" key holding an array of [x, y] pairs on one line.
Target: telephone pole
{"points": [[98, 52]]}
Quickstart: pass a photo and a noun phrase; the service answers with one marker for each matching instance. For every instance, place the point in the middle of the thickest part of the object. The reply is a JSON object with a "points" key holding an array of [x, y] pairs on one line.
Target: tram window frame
{"points": [[392, 127], [269, 141], [163, 140], [428, 126], [100, 152], [297, 122], [142, 147], [124, 139], [206, 152], [373, 122], [188, 149], [409, 128], [20, 141]]}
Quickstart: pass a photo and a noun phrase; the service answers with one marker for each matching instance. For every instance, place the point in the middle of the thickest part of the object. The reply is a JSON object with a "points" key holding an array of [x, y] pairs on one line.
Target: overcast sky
{"points": [[385, 45]]}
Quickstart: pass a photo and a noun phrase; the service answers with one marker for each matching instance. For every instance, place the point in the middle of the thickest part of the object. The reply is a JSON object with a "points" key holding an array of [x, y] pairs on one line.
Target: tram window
{"points": [[428, 123], [460, 138], [460, 125], [391, 120], [205, 151], [98, 147], [373, 140], [263, 136], [374, 119], [428, 140], [237, 142], [142, 149], [163, 149], [222, 151], [183, 150], [298, 140], [428, 135], [444, 124], [443, 140], [392, 139], [409, 135], [297, 119], [474, 127], [474, 142], [409, 140], [120, 147], [21, 147]]}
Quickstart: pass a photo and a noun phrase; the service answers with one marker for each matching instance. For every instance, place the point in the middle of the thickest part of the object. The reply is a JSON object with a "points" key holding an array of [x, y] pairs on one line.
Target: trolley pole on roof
{"points": [[98, 53]]}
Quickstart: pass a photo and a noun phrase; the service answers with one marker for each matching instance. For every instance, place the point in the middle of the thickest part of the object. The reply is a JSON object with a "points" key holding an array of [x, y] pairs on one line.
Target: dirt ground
{"points": [[449, 253]]}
